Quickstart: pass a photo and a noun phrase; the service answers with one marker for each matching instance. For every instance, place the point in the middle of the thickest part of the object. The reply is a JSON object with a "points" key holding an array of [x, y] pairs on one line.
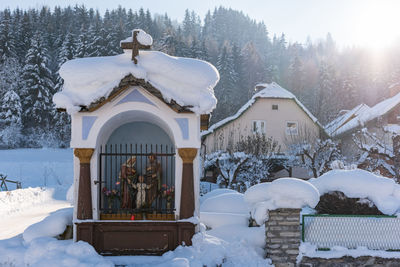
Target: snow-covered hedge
{"points": [[382, 191]]}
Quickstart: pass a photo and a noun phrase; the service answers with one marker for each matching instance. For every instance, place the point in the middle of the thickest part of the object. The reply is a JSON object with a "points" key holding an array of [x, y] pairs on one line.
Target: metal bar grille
{"points": [[352, 231], [137, 179]]}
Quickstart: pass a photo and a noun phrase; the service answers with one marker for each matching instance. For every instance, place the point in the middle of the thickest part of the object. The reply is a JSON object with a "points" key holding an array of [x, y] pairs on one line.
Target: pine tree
{"points": [[82, 45], [226, 86], [7, 42], [296, 76], [254, 67], [38, 86], [10, 109], [325, 104]]}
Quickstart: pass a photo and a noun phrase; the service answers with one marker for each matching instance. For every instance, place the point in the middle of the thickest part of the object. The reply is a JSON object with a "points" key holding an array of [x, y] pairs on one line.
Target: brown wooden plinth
{"points": [[187, 192], [135, 238], [84, 206], [138, 216]]}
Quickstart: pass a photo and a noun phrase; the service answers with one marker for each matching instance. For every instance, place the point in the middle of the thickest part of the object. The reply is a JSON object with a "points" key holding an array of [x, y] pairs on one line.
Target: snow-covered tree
{"points": [[378, 154], [10, 109], [247, 164], [7, 41], [317, 156], [38, 86]]}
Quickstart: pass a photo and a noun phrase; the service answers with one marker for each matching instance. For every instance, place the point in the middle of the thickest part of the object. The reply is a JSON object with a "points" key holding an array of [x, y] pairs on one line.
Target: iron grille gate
{"points": [[137, 179]]}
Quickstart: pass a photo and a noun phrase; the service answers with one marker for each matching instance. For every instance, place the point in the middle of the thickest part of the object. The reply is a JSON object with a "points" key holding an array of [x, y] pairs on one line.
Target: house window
{"points": [[291, 128], [258, 127], [274, 107]]}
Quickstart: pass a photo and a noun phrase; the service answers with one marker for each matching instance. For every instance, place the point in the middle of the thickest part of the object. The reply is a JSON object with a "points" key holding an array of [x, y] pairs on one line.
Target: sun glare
{"points": [[377, 25]]}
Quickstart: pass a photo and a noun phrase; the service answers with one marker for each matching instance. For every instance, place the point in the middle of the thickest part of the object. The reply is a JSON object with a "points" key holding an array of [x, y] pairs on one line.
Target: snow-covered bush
{"points": [[248, 163], [336, 202], [383, 192]]}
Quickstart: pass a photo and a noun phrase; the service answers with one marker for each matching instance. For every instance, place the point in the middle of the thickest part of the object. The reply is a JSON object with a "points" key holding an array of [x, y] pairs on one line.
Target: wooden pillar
{"points": [[84, 207], [187, 189]]}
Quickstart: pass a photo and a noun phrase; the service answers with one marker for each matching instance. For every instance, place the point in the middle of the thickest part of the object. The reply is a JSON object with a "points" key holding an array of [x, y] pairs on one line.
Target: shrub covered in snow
{"points": [[281, 193], [383, 192], [337, 203]]}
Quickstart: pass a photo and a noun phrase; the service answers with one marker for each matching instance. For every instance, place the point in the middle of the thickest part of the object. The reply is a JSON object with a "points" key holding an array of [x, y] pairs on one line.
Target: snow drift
{"points": [[223, 207], [51, 226]]}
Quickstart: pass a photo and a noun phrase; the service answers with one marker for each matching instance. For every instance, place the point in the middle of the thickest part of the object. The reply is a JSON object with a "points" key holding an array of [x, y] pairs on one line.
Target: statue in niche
{"points": [[141, 187], [127, 177], [153, 176]]}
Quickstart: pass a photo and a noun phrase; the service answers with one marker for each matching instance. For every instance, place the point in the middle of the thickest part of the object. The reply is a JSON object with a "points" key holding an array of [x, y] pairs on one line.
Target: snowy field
{"points": [[45, 174], [51, 168]]}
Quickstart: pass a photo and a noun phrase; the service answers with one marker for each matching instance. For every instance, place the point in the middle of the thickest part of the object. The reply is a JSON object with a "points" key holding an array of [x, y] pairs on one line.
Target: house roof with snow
{"points": [[186, 82], [361, 115], [335, 126], [271, 91]]}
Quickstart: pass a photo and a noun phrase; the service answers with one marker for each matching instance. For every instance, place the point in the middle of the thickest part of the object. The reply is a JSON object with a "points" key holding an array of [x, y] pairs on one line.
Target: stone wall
{"points": [[283, 236], [349, 262]]}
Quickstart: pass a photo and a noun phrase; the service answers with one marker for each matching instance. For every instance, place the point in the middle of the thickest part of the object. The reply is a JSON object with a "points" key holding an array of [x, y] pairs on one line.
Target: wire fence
{"points": [[352, 231]]}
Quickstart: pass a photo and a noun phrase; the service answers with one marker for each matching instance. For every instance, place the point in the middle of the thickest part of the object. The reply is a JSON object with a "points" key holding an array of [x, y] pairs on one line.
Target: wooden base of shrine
{"points": [[138, 216], [135, 237]]}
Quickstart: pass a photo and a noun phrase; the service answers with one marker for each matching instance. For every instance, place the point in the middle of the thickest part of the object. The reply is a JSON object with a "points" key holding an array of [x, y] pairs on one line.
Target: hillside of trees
{"points": [[34, 43]]}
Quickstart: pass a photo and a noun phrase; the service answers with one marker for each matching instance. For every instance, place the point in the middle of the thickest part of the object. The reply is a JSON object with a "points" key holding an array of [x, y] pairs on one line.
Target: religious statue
{"points": [[141, 187], [127, 176], [153, 175]]}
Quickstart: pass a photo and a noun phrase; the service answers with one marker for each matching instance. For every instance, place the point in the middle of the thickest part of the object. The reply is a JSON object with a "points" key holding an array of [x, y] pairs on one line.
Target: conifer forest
{"points": [[34, 44]]}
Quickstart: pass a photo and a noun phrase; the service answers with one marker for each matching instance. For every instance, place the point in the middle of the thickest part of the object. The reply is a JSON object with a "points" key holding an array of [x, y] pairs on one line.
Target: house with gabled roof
{"points": [[273, 111], [381, 119]]}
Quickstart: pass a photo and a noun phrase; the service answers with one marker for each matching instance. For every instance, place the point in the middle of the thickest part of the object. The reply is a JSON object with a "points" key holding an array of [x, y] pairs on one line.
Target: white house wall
{"points": [[229, 134]]}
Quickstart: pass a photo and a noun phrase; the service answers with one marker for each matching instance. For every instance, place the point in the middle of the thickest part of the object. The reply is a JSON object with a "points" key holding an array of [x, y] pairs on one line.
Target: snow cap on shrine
{"points": [[187, 81]]}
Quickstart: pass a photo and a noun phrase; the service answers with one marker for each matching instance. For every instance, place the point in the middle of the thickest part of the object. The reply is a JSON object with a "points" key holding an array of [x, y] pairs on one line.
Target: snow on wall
{"points": [[384, 192], [280, 193], [189, 82]]}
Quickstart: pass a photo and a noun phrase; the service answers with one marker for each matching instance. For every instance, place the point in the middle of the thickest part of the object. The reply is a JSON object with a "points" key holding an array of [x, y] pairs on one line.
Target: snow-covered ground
{"points": [[45, 174], [30, 216]]}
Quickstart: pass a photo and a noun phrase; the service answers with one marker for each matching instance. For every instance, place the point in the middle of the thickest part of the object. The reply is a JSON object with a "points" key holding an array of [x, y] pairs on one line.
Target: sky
{"points": [[368, 23]]}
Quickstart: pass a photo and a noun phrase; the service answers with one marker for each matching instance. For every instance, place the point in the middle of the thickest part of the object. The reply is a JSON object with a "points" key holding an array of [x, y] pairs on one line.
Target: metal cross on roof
{"points": [[134, 45]]}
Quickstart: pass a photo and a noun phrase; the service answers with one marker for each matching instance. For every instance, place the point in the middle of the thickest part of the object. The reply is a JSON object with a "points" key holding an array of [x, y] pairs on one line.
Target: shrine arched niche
{"points": [[137, 170]]}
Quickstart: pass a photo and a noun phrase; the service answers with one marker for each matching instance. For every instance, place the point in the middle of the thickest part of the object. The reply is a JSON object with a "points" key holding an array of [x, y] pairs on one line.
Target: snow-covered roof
{"points": [[189, 82], [271, 90], [361, 115], [335, 125]]}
